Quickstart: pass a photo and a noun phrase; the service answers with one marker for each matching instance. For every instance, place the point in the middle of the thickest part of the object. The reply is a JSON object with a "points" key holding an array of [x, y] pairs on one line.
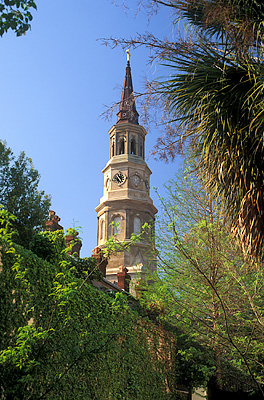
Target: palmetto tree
{"points": [[216, 92]]}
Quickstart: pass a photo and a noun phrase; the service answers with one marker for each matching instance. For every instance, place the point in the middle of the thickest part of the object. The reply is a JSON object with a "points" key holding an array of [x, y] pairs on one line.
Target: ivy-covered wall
{"points": [[63, 339]]}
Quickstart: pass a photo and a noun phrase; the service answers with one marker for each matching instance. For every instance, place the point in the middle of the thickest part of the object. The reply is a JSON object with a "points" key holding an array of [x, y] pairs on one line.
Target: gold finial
{"points": [[128, 54]]}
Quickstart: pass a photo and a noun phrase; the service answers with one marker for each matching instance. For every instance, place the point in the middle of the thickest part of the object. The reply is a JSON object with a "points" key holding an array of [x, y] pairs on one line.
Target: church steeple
{"points": [[127, 109], [126, 204]]}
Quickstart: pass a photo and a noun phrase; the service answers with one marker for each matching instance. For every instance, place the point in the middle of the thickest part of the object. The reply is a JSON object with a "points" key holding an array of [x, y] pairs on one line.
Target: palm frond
{"points": [[220, 99]]}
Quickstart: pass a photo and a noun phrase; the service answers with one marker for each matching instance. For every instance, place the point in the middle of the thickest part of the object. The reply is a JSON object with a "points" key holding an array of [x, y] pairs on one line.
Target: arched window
{"points": [[133, 146], [102, 229], [117, 226], [137, 225], [140, 147], [121, 147], [113, 148]]}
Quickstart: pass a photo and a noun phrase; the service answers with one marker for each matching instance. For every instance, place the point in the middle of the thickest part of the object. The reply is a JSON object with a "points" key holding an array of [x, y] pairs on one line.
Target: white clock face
{"points": [[136, 179], [119, 178]]}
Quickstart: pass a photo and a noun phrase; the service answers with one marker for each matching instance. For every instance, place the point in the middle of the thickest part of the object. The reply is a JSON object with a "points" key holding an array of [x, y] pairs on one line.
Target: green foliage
{"points": [[6, 224], [114, 245], [86, 268], [61, 338], [49, 245], [207, 289], [75, 230], [19, 194], [16, 15]]}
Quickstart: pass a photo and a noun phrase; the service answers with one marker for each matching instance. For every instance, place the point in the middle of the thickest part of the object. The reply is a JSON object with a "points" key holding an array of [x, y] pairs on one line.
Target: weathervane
{"points": [[128, 55]]}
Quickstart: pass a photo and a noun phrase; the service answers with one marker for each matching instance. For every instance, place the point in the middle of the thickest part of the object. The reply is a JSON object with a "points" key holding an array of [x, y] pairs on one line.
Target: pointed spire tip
{"points": [[127, 109], [128, 55]]}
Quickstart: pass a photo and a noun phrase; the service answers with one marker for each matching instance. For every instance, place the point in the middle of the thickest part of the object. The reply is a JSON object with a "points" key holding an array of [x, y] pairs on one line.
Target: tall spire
{"points": [[127, 109]]}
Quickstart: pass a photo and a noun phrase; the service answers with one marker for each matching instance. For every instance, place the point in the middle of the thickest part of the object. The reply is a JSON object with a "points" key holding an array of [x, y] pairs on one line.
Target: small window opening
{"points": [[117, 226], [140, 147], [133, 146], [102, 229], [121, 146], [137, 225]]}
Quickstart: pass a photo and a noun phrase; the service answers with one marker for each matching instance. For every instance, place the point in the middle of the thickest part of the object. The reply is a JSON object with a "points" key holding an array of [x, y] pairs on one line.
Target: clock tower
{"points": [[126, 204]]}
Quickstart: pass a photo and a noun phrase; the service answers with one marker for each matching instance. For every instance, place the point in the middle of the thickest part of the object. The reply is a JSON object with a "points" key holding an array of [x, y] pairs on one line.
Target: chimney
{"points": [[123, 278], [100, 260], [73, 243], [53, 222]]}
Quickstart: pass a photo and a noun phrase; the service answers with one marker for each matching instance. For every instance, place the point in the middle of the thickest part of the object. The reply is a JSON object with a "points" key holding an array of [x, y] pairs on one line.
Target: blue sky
{"points": [[55, 81]]}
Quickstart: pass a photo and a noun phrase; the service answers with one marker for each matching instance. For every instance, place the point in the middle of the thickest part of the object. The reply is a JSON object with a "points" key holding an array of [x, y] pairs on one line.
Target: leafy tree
{"points": [[206, 287], [16, 15], [19, 193], [218, 93]]}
